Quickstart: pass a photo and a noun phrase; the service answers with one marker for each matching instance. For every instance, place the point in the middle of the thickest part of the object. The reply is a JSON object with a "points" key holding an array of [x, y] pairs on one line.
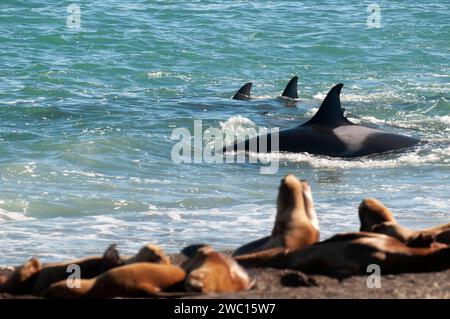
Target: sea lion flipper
{"points": [[252, 246], [111, 258], [260, 258]]}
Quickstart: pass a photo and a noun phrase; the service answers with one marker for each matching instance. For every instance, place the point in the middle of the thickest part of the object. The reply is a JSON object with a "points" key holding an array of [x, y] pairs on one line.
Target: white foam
{"points": [[413, 121], [237, 126], [87, 174], [441, 104], [29, 168], [6, 216], [14, 102], [436, 156], [385, 95], [174, 216], [312, 111], [157, 74], [119, 204]]}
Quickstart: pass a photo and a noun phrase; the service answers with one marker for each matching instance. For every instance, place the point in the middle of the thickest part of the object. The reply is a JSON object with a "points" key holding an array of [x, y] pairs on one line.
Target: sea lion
{"points": [[377, 218], [142, 279], [210, 271], [372, 212], [91, 267], [18, 281], [36, 277], [296, 224], [351, 253], [148, 253]]}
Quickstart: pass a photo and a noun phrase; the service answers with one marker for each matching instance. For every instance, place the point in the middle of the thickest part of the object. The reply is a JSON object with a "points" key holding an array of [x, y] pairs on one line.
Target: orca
{"points": [[290, 91], [244, 92], [329, 133]]}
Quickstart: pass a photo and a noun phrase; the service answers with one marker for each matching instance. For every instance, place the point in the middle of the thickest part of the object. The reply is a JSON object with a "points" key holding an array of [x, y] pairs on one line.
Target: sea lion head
{"points": [[211, 271], [372, 212], [28, 269], [150, 253], [289, 193], [20, 280], [290, 204], [296, 216]]}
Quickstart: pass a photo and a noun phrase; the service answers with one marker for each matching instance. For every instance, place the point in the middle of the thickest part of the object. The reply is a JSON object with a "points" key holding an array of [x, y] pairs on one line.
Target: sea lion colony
{"points": [[293, 244]]}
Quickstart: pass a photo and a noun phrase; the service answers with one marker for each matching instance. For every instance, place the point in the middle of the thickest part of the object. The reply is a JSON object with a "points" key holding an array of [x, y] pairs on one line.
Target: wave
{"points": [[437, 156], [8, 216]]}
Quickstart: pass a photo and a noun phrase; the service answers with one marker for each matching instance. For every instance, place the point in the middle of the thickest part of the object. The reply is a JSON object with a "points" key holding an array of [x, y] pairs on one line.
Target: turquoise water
{"points": [[86, 117]]}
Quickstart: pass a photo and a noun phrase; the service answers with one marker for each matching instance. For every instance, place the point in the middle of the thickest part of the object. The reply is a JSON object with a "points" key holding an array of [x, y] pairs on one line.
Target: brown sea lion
{"points": [[375, 217], [148, 253], [350, 254], [371, 212], [18, 281], [142, 279], [296, 224], [210, 271], [89, 267], [40, 278]]}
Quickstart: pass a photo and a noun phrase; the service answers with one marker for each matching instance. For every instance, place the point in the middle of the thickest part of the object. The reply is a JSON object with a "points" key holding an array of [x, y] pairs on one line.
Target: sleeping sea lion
{"points": [[148, 253], [210, 271], [377, 218], [90, 267], [142, 279], [41, 276], [351, 253], [18, 281], [296, 224]]}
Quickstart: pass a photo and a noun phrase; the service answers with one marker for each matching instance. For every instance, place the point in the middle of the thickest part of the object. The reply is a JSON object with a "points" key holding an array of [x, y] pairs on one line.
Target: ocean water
{"points": [[86, 116]]}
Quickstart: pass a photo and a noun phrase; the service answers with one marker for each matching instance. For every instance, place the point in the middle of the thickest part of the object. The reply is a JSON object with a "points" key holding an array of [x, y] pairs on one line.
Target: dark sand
{"points": [[274, 283]]}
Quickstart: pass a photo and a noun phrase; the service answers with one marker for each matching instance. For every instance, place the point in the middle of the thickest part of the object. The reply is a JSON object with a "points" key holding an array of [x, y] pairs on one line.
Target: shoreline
{"points": [[289, 284]]}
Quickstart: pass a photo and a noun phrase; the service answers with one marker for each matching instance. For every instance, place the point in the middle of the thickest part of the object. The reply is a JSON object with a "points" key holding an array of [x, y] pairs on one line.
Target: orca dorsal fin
{"points": [[291, 89], [330, 112], [244, 92]]}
